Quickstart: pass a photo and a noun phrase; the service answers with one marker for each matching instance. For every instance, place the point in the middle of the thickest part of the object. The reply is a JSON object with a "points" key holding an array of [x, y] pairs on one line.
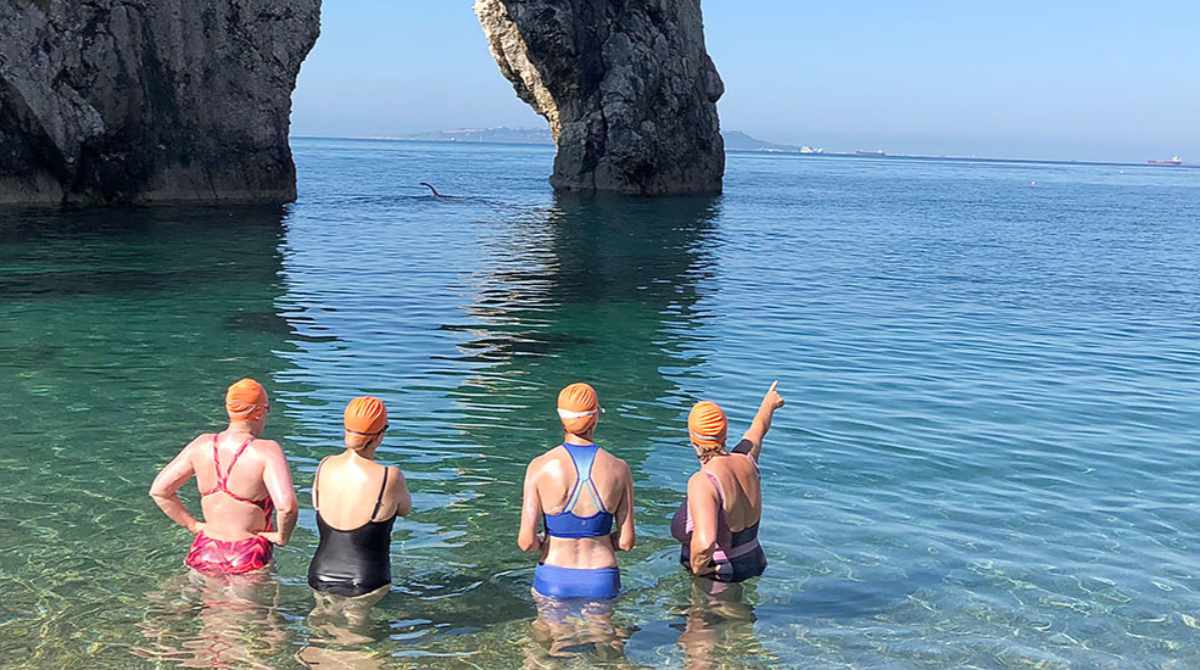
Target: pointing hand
{"points": [[772, 400]]}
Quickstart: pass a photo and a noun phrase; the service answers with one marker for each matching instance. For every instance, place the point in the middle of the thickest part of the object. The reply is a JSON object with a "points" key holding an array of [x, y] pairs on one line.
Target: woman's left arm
{"points": [[165, 489], [403, 497]]}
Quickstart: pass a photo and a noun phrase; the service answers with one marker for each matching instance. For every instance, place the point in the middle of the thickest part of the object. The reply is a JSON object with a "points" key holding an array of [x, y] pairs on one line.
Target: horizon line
{"points": [[823, 154]]}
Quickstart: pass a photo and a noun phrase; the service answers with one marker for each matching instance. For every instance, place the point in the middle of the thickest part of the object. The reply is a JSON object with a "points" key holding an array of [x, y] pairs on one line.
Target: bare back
{"points": [[347, 488], [555, 477], [225, 516], [741, 486]]}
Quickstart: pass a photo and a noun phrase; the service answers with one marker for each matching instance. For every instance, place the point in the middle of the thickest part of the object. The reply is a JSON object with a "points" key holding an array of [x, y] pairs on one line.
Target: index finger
{"points": [[773, 385]]}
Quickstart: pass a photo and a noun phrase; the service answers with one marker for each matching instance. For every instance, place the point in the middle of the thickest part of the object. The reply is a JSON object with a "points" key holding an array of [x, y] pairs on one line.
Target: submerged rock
{"points": [[149, 100], [627, 87]]}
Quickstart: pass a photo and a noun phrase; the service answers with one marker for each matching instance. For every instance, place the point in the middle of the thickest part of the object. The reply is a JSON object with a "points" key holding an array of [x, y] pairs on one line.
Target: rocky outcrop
{"points": [[627, 87], [109, 101]]}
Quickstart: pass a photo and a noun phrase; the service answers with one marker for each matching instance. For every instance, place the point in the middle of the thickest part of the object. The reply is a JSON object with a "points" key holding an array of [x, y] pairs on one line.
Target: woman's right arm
{"points": [[703, 508], [531, 511], [626, 536], [751, 443], [165, 489]]}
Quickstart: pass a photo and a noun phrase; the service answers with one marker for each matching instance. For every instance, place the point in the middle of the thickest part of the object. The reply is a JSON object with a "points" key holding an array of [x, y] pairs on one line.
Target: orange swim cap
{"points": [[578, 408], [707, 425], [246, 399], [365, 415]]}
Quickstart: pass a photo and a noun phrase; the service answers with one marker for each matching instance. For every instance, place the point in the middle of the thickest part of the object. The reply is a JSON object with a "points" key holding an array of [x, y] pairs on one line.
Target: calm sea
{"points": [[988, 457]]}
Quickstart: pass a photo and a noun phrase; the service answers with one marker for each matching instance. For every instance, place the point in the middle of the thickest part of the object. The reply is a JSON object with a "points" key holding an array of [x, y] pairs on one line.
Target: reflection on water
{"points": [[571, 629], [986, 460], [718, 625], [559, 293], [342, 632], [197, 621], [115, 345]]}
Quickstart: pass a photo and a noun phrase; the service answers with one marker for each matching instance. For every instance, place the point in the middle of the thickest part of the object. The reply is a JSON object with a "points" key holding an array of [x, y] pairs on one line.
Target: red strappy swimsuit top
{"points": [[265, 504]]}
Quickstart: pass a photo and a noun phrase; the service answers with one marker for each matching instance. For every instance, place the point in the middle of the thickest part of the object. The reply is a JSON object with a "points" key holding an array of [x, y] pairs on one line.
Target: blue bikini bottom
{"points": [[593, 584]]}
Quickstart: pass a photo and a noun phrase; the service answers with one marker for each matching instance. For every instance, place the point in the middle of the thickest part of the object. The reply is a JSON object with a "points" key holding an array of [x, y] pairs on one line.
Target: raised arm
{"points": [[278, 480], [752, 441], [625, 537], [531, 511], [165, 489]]}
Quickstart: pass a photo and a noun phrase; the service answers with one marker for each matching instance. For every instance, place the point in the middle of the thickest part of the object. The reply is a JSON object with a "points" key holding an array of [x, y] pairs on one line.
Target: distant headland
{"points": [[741, 142]]}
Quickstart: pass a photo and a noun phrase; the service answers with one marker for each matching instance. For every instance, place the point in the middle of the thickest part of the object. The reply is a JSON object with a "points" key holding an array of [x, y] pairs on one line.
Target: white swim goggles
{"points": [[697, 437], [567, 414]]}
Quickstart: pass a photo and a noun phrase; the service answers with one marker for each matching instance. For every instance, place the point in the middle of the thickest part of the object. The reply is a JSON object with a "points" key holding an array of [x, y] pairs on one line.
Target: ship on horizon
{"points": [[1174, 161]]}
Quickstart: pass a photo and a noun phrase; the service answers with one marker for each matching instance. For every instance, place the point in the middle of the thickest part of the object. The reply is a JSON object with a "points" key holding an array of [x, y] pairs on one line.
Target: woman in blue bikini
{"points": [[583, 497]]}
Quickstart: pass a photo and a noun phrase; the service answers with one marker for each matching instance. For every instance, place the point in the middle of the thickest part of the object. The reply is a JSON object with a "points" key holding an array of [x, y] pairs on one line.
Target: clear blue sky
{"points": [[1067, 79]]}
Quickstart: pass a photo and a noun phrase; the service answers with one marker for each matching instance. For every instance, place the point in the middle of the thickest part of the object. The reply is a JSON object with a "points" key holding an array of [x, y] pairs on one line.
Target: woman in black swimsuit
{"points": [[357, 501]]}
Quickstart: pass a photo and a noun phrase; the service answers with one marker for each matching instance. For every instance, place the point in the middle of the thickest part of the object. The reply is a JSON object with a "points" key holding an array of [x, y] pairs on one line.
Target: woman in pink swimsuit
{"points": [[717, 524], [242, 481]]}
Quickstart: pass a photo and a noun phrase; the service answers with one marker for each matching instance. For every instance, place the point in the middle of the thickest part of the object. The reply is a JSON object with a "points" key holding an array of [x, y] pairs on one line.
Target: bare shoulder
{"points": [[536, 464], [618, 465], [394, 474], [268, 448], [540, 461], [200, 440], [698, 483]]}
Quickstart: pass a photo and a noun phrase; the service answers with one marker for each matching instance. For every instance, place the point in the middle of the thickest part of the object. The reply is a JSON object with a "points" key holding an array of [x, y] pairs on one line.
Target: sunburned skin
{"points": [[259, 472]]}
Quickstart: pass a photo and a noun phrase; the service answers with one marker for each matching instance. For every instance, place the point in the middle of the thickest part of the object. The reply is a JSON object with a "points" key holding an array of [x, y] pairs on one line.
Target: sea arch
{"points": [[113, 101]]}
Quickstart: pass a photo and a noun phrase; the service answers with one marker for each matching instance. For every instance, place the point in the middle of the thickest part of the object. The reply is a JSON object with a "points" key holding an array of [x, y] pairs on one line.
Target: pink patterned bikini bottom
{"points": [[220, 557]]}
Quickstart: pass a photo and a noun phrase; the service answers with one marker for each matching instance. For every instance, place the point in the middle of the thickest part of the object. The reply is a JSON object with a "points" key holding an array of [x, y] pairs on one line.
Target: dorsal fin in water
{"points": [[431, 188]]}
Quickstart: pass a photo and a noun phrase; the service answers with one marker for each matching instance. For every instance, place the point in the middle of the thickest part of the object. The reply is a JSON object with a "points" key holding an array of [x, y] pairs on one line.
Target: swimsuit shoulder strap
{"points": [[753, 461], [583, 458], [717, 485], [382, 488], [217, 462], [238, 454], [724, 533]]}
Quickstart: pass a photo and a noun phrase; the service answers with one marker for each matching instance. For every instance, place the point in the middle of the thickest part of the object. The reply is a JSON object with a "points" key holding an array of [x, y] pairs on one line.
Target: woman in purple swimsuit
{"points": [[717, 524]]}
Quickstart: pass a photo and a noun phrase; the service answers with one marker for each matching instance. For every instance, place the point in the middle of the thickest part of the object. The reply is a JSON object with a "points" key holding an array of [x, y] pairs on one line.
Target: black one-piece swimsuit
{"points": [[353, 562]]}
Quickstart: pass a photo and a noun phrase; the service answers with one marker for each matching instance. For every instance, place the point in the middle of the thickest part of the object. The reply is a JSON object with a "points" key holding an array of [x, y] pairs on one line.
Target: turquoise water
{"points": [[987, 458]]}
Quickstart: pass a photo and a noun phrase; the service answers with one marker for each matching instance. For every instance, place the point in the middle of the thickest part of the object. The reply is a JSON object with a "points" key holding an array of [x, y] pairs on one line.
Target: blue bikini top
{"points": [[568, 524]]}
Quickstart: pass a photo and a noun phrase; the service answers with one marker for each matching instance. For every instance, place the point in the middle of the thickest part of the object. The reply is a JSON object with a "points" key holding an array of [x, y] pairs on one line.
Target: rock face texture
{"points": [[139, 101], [110, 101], [627, 87]]}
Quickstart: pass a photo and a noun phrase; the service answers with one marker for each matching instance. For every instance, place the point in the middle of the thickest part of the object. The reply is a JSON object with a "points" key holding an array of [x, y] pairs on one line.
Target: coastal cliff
{"points": [[112, 101], [144, 101], [627, 87]]}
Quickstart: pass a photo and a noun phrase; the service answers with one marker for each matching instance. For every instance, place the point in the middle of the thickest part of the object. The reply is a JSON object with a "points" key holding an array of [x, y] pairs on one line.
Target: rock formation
{"points": [[115, 101], [627, 87], [149, 100]]}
